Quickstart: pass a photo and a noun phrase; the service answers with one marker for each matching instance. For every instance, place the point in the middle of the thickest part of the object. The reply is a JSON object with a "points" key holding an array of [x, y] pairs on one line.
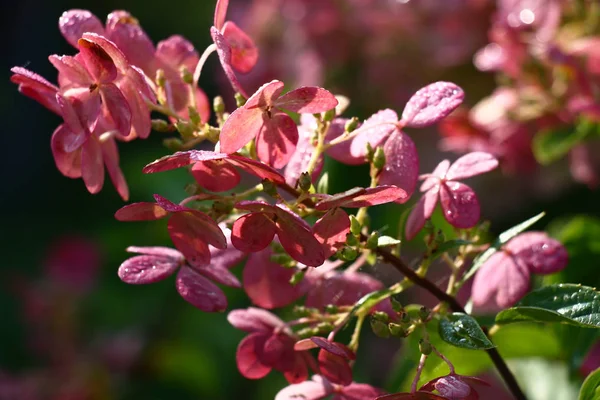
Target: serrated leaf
{"points": [[590, 390], [461, 330], [501, 240], [387, 241], [551, 145], [563, 303]]}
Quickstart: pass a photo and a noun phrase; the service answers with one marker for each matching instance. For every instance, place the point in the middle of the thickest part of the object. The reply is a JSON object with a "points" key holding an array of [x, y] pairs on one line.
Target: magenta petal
{"points": [[125, 31], [336, 369], [341, 151], [421, 212], [117, 107], [36, 87], [277, 140], [115, 55], [74, 23], [110, 155], [500, 282], [434, 178], [140, 212], [254, 320], [243, 125], [224, 52], [432, 103], [301, 158], [177, 52], [92, 166], [540, 253], [157, 251], [307, 390], [337, 349], [216, 176], [298, 240], [70, 71], [331, 230], [460, 205], [226, 258], [252, 232], [266, 95], [98, 63], [218, 274], [248, 356], [77, 134], [203, 227], [267, 283], [341, 289], [181, 159], [69, 164], [182, 234], [256, 168], [308, 100], [360, 197], [374, 131], [220, 13], [244, 53], [199, 291], [141, 270], [471, 164], [360, 391], [402, 164], [141, 124]]}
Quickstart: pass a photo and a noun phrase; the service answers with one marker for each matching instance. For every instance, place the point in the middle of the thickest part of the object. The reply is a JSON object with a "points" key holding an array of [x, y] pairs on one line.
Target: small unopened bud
{"points": [[355, 225], [396, 305], [160, 125], [218, 105], [379, 158], [324, 327], [348, 253], [185, 129], [212, 133], [372, 241], [424, 313], [297, 277], [194, 116], [305, 332], [370, 153], [304, 181], [380, 328], [381, 316], [269, 188], [240, 100], [160, 78], [404, 317], [351, 124], [425, 347], [186, 76], [173, 144], [301, 311], [222, 207], [351, 240], [329, 115], [397, 330], [283, 259], [332, 309]]}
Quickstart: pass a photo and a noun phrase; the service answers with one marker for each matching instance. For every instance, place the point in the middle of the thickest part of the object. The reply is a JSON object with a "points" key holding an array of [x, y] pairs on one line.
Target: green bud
{"points": [[355, 226], [379, 158], [348, 253], [306, 332], [381, 316], [218, 105], [194, 116], [283, 259], [324, 327], [332, 309], [173, 144], [222, 207], [240, 100], [397, 330], [297, 277], [301, 311], [396, 305], [329, 115], [269, 188], [370, 153], [372, 240], [191, 189], [160, 78], [425, 347], [304, 181], [323, 185], [404, 317], [351, 124], [160, 125], [424, 313], [351, 240], [185, 129], [212, 133], [380, 328], [186, 76]]}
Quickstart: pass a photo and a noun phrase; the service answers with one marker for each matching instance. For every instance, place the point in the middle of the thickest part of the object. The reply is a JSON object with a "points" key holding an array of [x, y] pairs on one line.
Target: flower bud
{"points": [[332, 309], [160, 78], [381, 316], [372, 241], [351, 240], [351, 124], [185, 129], [218, 105], [404, 317], [348, 253], [355, 225], [380, 328], [212, 133], [396, 330], [379, 158], [269, 188], [304, 181], [370, 153], [240, 100], [194, 116], [324, 327], [396, 305], [160, 125], [301, 311], [173, 144], [297, 277], [306, 332], [329, 115], [186, 76], [222, 208], [425, 347], [424, 313]]}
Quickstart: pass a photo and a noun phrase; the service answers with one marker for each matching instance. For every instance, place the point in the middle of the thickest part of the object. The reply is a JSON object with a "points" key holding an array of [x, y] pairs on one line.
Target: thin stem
{"points": [[162, 109], [209, 50], [443, 357], [413, 385], [353, 345], [347, 136], [319, 148]]}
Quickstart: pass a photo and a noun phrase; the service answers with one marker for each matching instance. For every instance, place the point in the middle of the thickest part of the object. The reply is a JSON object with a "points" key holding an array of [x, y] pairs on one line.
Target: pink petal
{"points": [[183, 232], [500, 282], [307, 390], [341, 289], [115, 55], [181, 159], [76, 134], [243, 125], [256, 168], [141, 124], [224, 52], [434, 178], [248, 356], [299, 370], [459, 204], [432, 103], [70, 71], [254, 319], [98, 63], [266, 95], [157, 251], [276, 141], [110, 155], [301, 158], [244, 53], [374, 131], [421, 212], [360, 391], [74, 23], [216, 176], [267, 283], [125, 31], [140, 212], [308, 100], [117, 107], [69, 164], [452, 388], [339, 152], [217, 273], [360, 197], [402, 164], [279, 352], [334, 348], [331, 230], [141, 270], [252, 232], [202, 226], [199, 291], [220, 12], [411, 396], [471, 164], [540, 253], [36, 87], [92, 166], [226, 258], [176, 51], [334, 368], [298, 240]]}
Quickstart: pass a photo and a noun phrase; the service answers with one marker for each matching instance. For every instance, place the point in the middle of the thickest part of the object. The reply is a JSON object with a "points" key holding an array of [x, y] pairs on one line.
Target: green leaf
{"points": [[387, 241], [502, 239], [461, 330], [449, 245], [563, 303], [590, 390], [553, 144]]}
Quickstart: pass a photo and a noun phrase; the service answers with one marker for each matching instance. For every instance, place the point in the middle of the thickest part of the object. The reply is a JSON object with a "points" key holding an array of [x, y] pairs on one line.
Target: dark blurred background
{"points": [[140, 342]]}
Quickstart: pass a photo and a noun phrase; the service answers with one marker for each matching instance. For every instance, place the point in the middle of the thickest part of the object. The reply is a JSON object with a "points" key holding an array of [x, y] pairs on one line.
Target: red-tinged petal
{"points": [[540, 253], [360, 391], [500, 282], [252, 232], [341, 289], [411, 396], [74, 23], [125, 31], [338, 349], [299, 370], [459, 204], [300, 243], [199, 291], [218, 274], [97, 62], [157, 251], [266, 95], [248, 356], [88, 106], [176, 51], [421, 212], [432, 103], [76, 134], [141, 270], [117, 107], [216, 176], [256, 206], [277, 139], [244, 53], [305, 344], [401, 165], [452, 388], [267, 283], [334, 368], [181, 159], [110, 155], [224, 52], [308, 100], [70, 71], [220, 13], [315, 389], [374, 131], [301, 158], [279, 352], [116, 55], [364, 198], [69, 164], [141, 125], [331, 230], [434, 178], [471, 164], [226, 258], [243, 125], [137, 79], [340, 152], [254, 320], [92, 166], [256, 168], [168, 205], [182, 235], [34, 86], [141, 212], [201, 226]]}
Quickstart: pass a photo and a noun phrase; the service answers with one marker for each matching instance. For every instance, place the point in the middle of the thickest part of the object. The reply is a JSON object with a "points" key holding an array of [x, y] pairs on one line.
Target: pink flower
{"points": [[331, 230], [190, 230], [193, 282], [334, 359], [262, 118], [361, 197], [455, 387], [254, 231], [504, 278], [320, 388], [459, 202], [269, 345]]}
